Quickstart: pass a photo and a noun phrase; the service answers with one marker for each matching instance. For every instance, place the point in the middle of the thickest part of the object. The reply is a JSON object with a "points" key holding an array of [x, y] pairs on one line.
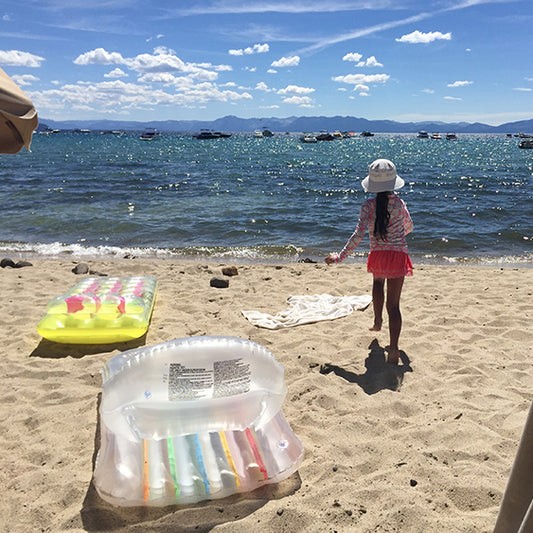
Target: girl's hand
{"points": [[331, 258]]}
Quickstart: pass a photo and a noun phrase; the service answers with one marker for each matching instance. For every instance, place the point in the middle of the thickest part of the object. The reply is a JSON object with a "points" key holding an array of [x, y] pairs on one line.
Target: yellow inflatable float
{"points": [[101, 310]]}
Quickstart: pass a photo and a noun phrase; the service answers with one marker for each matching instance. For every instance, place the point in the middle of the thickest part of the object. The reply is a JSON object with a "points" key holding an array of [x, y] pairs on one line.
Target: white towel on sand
{"points": [[309, 309]]}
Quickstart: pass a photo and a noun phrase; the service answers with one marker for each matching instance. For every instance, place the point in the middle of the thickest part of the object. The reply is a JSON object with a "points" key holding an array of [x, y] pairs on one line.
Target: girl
{"points": [[389, 222]]}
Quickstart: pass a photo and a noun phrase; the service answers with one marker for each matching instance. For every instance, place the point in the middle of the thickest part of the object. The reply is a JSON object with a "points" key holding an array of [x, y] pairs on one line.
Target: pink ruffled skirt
{"points": [[389, 264]]}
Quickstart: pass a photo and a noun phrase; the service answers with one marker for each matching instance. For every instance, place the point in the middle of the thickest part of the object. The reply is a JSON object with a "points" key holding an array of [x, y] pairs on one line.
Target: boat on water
{"points": [[258, 134], [267, 133], [208, 134], [436, 136], [423, 135], [325, 136], [307, 137], [348, 135], [149, 134], [526, 143], [367, 134], [451, 137], [112, 132]]}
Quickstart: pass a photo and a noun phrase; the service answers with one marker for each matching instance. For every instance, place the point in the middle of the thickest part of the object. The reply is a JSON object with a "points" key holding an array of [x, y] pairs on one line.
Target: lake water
{"points": [[267, 199]]}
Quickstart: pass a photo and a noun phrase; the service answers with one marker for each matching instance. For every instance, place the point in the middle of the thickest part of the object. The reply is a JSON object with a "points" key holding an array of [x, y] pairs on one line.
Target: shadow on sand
{"points": [[379, 374], [56, 350]]}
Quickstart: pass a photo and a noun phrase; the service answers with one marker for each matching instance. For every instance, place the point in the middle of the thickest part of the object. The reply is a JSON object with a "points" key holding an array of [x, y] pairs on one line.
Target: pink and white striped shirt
{"points": [[400, 224]]}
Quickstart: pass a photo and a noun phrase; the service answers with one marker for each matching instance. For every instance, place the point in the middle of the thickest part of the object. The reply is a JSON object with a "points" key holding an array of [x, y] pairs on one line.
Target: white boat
{"points": [[423, 135], [308, 138], [451, 137], [258, 134]]}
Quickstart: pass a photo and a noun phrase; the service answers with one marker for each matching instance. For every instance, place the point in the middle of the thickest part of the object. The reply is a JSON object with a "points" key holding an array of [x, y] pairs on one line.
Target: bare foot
{"points": [[376, 327], [393, 356]]}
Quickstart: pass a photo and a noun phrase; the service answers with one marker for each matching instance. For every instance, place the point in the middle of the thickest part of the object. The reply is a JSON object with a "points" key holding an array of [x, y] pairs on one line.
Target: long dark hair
{"points": [[382, 215]]}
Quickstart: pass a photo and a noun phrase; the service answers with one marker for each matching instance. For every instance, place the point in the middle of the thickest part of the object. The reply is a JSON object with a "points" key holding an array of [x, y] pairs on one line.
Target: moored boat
{"points": [[149, 134], [325, 136], [208, 134], [526, 143], [423, 135], [308, 138], [451, 137]]}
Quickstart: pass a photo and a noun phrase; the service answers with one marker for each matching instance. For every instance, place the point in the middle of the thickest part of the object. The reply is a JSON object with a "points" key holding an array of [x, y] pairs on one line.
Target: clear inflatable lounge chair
{"points": [[192, 419]]}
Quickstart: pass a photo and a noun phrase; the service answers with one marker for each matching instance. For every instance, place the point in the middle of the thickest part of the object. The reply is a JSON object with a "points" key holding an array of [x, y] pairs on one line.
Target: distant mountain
{"points": [[292, 124]]}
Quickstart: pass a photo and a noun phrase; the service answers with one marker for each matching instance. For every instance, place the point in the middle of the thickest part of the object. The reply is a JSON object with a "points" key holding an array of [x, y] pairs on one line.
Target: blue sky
{"points": [[404, 60]]}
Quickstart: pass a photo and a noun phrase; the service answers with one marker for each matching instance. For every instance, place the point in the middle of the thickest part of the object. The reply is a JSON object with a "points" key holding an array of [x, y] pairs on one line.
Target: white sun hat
{"points": [[382, 177]]}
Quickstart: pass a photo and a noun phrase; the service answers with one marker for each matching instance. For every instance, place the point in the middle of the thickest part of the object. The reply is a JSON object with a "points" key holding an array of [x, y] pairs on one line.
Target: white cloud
{"points": [[163, 60], [417, 37], [158, 50], [360, 88], [452, 98], [460, 83], [255, 49], [165, 78], [110, 96], [352, 56], [428, 91], [356, 79], [116, 73], [159, 63], [99, 56], [272, 71], [262, 86], [303, 101], [370, 62], [24, 79], [296, 90], [291, 61], [218, 68], [524, 89], [158, 36], [16, 58]]}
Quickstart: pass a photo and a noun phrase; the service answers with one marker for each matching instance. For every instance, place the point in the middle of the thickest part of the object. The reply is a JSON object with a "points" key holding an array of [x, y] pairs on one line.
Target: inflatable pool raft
{"points": [[192, 419], [101, 310]]}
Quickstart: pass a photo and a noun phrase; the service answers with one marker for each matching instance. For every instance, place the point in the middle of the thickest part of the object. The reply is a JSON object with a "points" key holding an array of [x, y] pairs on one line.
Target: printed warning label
{"points": [[225, 378]]}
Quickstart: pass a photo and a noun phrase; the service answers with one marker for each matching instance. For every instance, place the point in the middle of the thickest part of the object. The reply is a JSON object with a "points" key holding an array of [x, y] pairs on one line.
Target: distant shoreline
{"points": [[291, 124]]}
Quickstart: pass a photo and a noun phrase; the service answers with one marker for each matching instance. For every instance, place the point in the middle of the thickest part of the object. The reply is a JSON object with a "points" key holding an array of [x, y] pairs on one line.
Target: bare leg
{"points": [[394, 291], [378, 299]]}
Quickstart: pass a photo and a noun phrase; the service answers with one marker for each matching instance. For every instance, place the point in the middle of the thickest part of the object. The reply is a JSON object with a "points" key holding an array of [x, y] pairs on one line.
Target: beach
{"points": [[427, 445]]}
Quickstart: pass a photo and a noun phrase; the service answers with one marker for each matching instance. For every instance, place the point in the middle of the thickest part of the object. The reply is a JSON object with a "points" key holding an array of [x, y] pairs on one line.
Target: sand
{"points": [[424, 446]]}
